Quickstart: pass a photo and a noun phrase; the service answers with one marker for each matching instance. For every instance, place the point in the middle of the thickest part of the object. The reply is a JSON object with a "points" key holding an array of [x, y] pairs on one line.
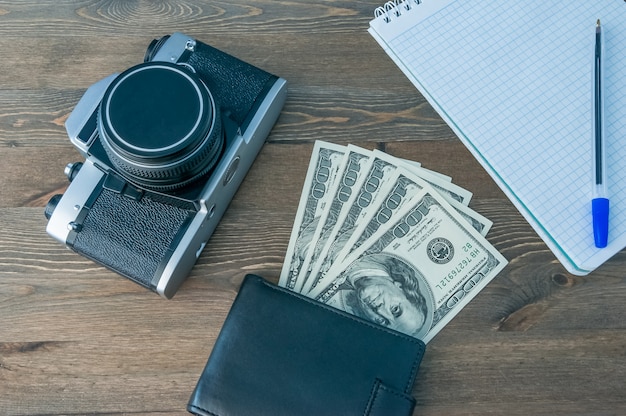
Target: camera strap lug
{"points": [[190, 45]]}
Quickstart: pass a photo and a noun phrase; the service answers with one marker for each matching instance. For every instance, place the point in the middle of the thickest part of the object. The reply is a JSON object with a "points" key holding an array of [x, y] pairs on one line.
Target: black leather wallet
{"points": [[281, 353]]}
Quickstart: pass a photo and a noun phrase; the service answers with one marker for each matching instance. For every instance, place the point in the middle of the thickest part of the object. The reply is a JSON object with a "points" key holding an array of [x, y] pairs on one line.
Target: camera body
{"points": [[166, 145]]}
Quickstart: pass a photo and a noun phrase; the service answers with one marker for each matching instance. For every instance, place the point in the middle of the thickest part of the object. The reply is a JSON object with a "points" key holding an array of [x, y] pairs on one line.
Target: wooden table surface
{"points": [[76, 338]]}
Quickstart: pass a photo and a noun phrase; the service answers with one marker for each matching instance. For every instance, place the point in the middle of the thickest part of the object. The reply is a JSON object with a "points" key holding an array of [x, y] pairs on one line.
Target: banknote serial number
{"points": [[471, 253]]}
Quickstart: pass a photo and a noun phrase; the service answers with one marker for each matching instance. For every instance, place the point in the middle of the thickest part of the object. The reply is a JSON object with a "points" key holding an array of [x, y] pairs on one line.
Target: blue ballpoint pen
{"points": [[600, 201]]}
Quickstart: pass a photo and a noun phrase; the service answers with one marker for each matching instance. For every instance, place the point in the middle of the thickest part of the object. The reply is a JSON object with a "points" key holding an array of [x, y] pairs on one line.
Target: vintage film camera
{"points": [[166, 145]]}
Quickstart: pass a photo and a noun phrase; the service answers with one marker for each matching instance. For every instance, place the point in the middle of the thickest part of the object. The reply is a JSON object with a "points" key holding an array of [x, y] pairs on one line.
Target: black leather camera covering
{"points": [[281, 353], [131, 237]]}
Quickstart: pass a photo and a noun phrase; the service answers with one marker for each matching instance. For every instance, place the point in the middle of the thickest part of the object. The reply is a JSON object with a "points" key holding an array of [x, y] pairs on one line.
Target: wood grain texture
{"points": [[76, 338]]}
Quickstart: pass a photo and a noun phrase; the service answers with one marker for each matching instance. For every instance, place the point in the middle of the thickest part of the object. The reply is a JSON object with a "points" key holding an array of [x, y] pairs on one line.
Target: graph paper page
{"points": [[513, 80]]}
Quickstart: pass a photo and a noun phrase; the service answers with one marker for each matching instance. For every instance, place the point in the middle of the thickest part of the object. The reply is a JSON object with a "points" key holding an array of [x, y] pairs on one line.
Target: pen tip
{"points": [[598, 22]]}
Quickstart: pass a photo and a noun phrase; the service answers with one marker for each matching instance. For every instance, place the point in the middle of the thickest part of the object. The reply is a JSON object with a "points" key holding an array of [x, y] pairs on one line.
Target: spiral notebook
{"points": [[513, 80]]}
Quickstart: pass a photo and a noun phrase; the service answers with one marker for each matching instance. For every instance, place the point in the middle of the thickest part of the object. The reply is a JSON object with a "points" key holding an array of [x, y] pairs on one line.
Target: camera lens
{"points": [[159, 125]]}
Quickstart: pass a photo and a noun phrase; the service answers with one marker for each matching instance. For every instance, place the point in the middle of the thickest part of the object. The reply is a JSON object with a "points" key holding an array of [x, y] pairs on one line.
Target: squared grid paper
{"points": [[514, 81]]}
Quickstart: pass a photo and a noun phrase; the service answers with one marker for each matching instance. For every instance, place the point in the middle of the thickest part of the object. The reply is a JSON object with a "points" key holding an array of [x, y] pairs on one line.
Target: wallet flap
{"points": [[386, 401], [282, 353]]}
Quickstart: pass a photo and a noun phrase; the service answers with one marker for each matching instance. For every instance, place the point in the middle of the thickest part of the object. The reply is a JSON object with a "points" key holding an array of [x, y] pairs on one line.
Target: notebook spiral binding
{"points": [[394, 9]]}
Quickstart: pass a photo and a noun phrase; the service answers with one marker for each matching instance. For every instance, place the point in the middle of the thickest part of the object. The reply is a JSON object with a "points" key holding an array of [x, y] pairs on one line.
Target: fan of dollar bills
{"points": [[387, 240]]}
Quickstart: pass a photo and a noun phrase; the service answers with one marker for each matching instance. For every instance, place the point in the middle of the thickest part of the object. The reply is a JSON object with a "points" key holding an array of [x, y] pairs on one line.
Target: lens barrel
{"points": [[154, 47], [159, 125]]}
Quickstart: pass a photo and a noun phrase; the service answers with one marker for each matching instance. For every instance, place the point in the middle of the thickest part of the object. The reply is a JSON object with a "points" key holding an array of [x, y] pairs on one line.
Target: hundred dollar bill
{"points": [[326, 159], [416, 272], [350, 176]]}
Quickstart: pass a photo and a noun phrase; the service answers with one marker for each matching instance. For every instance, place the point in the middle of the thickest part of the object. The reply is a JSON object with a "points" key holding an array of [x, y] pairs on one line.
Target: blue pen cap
{"points": [[600, 212]]}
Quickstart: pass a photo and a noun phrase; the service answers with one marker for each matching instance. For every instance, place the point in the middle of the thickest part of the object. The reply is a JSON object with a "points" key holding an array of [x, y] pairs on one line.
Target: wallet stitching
{"points": [[420, 345], [373, 396], [372, 400]]}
